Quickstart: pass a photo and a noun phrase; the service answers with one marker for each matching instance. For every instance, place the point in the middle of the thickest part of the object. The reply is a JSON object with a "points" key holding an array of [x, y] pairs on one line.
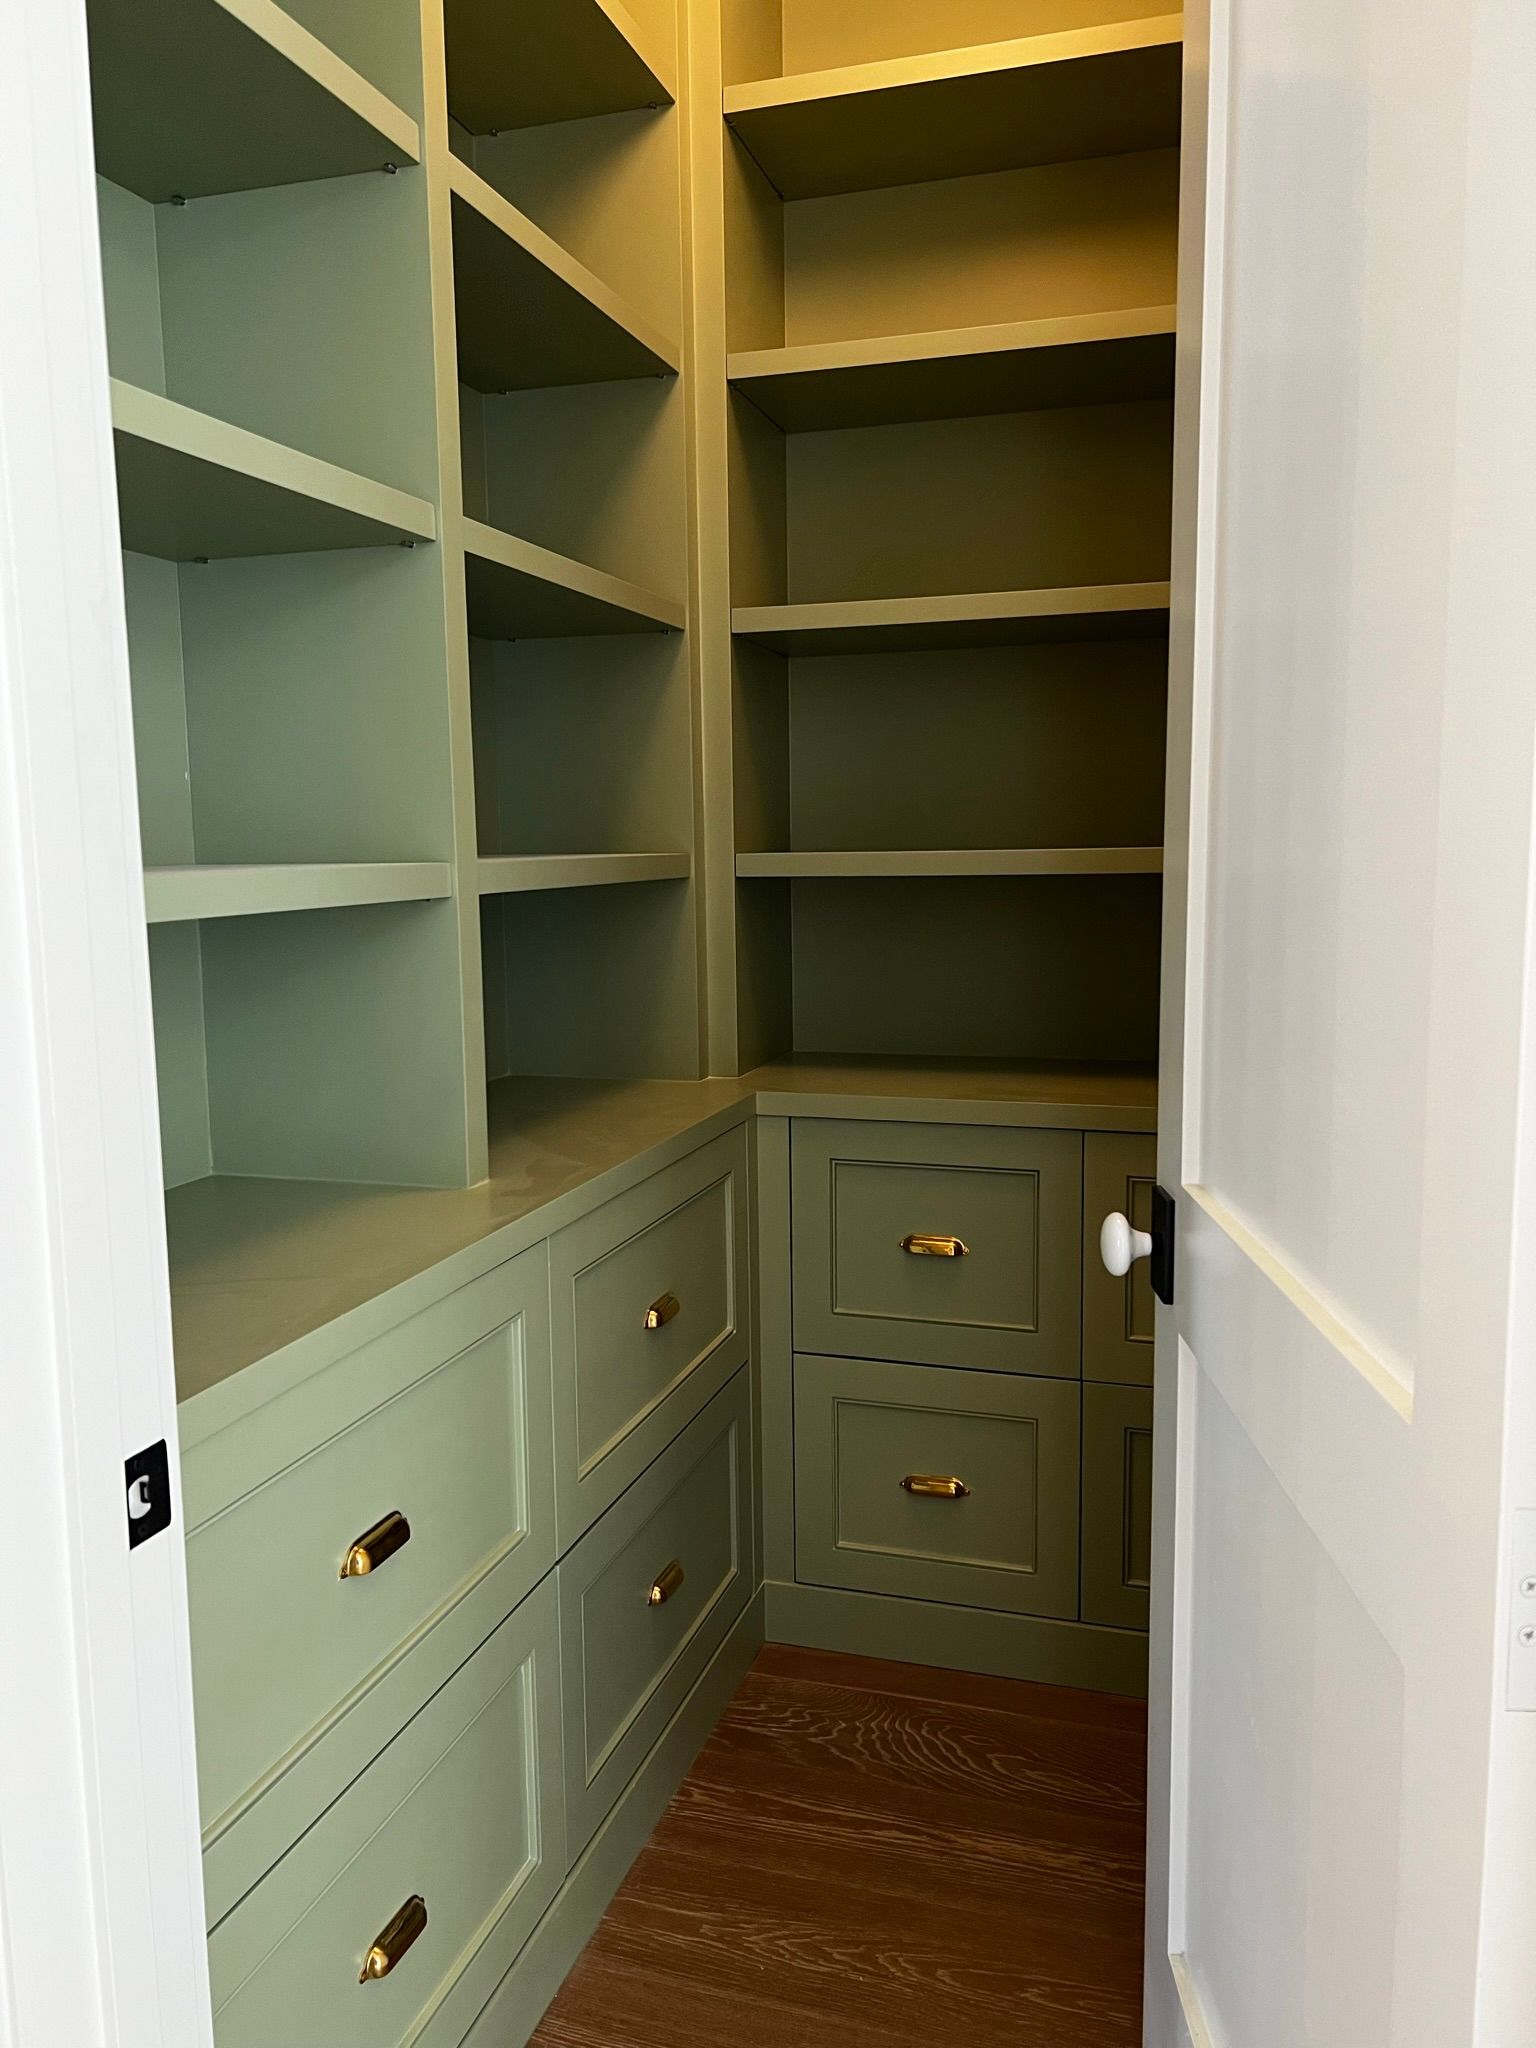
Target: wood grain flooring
{"points": [[867, 1853]]}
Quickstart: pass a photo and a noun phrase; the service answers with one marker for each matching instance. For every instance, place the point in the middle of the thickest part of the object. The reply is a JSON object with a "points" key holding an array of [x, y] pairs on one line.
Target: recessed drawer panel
{"points": [[941, 1244], [393, 1918], [649, 1297], [1119, 1172], [647, 1596], [332, 1529], [1117, 1505], [937, 1485]]}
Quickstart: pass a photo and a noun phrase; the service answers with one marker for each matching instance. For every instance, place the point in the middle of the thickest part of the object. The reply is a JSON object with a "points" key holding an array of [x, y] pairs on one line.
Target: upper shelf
{"points": [[515, 874], [1013, 366], [192, 487], [993, 107], [529, 315], [517, 590], [991, 618], [193, 97], [176, 895], [898, 864], [548, 60]]}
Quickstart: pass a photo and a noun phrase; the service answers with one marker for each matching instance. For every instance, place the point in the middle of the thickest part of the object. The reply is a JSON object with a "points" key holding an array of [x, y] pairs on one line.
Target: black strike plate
{"points": [[1161, 1262], [148, 1477]]}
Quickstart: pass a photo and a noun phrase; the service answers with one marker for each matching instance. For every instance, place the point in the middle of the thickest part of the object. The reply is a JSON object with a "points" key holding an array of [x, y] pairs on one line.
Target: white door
{"points": [[1346, 1011]]}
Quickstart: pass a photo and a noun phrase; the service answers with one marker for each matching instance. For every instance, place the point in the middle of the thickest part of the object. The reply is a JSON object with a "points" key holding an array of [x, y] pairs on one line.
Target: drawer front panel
{"points": [[1117, 1505], [876, 1206], [649, 1298], [450, 1432], [647, 1596], [937, 1485], [461, 1811], [1119, 1172]]}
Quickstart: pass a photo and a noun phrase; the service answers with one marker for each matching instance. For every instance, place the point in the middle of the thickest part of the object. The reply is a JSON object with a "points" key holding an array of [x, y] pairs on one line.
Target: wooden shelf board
{"points": [[548, 60], [189, 485], [992, 107], [176, 895], [529, 315], [1015, 366], [995, 618], [512, 874], [517, 590], [956, 861], [193, 97]]}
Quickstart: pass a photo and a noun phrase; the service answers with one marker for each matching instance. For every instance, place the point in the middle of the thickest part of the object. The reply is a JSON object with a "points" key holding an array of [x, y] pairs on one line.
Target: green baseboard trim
{"points": [[519, 2001], [958, 1638]]}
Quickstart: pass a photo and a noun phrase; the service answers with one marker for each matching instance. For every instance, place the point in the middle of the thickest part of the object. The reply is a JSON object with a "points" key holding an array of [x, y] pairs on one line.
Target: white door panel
{"points": [[1353, 719]]}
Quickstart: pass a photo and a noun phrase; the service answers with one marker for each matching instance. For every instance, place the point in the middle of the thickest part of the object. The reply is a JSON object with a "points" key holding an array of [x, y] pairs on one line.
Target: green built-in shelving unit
{"points": [[950, 253], [646, 552], [395, 304]]}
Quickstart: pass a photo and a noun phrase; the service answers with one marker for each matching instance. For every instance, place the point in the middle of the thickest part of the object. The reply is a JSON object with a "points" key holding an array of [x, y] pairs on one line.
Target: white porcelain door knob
{"points": [[1120, 1246]]}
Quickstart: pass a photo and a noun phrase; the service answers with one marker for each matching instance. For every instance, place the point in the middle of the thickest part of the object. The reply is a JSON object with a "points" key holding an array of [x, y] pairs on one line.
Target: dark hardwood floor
{"points": [[867, 1853]]}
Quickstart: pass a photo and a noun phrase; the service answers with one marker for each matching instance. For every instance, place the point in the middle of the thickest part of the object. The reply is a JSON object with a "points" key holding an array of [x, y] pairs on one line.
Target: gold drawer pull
{"points": [[933, 1487], [665, 1585], [662, 1310], [922, 1246], [391, 1945], [375, 1545]]}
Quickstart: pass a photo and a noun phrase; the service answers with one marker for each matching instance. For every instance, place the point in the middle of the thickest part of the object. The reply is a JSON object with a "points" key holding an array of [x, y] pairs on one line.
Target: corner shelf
{"points": [[993, 107], [1013, 366], [953, 861], [513, 874], [529, 315], [516, 590], [548, 60], [178, 895], [995, 618], [192, 486], [194, 97]]}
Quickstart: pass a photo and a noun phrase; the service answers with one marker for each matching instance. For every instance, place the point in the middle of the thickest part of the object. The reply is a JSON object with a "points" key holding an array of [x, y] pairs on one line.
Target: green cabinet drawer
{"points": [[463, 1812], [868, 1196], [1117, 1505], [647, 1597], [1119, 1172], [300, 1673], [937, 1485], [649, 1302]]}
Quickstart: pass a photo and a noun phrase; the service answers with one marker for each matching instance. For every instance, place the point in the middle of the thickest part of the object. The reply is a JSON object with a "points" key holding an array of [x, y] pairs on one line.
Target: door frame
{"points": [[101, 1909], [1172, 2013]]}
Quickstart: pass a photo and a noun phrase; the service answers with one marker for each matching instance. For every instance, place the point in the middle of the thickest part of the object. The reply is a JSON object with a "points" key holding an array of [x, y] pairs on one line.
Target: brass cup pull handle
{"points": [[375, 1545], [388, 1947], [933, 1486], [665, 1584], [922, 1246], [662, 1310]]}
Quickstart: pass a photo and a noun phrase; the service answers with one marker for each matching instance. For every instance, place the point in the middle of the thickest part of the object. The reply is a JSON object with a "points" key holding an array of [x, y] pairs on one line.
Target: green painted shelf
{"points": [[514, 874], [1014, 366], [193, 97], [548, 60], [993, 618], [953, 861], [519, 591], [530, 315], [180, 895], [992, 107], [191, 486]]}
